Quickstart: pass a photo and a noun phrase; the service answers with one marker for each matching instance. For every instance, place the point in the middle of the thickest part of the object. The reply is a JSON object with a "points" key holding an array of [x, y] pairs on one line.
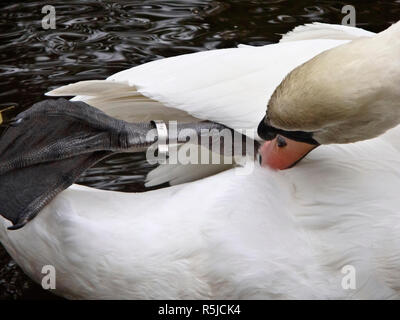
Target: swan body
{"points": [[245, 233], [266, 235]]}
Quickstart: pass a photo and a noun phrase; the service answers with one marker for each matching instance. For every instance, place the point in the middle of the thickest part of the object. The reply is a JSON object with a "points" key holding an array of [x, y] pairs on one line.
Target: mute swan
{"points": [[346, 94], [268, 234]]}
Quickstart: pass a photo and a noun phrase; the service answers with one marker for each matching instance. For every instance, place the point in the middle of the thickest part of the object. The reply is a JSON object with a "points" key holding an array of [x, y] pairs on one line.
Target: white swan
{"points": [[268, 234], [346, 94]]}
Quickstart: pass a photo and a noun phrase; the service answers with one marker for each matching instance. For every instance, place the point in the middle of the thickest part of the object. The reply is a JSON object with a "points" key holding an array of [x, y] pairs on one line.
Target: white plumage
{"points": [[244, 233]]}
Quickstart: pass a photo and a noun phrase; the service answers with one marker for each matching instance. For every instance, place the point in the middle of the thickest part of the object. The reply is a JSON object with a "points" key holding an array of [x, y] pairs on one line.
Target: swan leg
{"points": [[46, 148]]}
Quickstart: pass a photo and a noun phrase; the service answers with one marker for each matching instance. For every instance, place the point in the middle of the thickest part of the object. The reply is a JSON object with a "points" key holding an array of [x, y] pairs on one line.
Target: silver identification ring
{"points": [[162, 132]]}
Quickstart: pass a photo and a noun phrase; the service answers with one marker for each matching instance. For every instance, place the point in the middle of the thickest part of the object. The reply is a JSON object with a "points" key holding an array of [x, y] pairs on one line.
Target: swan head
{"points": [[343, 95]]}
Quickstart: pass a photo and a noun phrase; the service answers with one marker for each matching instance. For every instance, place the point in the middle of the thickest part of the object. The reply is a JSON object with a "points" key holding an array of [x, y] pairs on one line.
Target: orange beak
{"points": [[283, 153]]}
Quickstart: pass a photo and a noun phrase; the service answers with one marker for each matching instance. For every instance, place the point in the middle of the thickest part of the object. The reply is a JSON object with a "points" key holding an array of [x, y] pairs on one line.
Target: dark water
{"points": [[95, 39]]}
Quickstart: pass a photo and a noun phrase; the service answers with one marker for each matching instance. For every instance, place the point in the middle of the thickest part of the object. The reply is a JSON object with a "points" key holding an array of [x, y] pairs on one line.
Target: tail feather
{"points": [[176, 173], [325, 31], [93, 88], [120, 100]]}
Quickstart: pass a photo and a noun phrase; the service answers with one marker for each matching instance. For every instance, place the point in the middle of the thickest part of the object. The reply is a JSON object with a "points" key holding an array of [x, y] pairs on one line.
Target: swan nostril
{"points": [[281, 142]]}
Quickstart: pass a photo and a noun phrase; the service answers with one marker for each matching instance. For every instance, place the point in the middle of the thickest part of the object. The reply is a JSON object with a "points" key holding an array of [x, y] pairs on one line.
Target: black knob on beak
{"points": [[265, 131]]}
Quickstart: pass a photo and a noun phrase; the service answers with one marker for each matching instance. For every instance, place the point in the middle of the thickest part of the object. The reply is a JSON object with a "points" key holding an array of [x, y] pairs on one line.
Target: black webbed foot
{"points": [[46, 148]]}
